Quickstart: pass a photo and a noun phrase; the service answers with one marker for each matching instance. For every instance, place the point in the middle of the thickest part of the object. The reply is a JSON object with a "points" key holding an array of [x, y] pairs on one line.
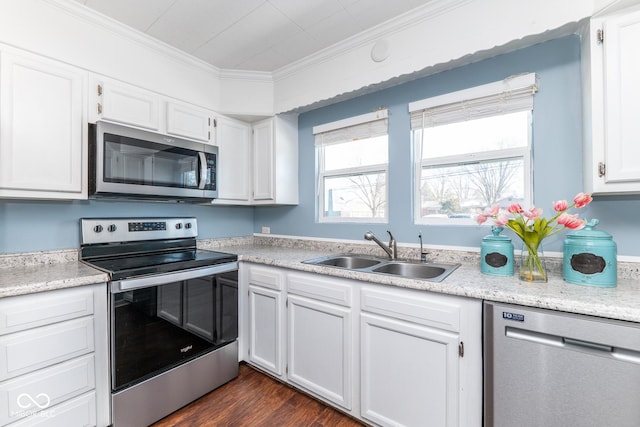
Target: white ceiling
{"points": [[257, 35]]}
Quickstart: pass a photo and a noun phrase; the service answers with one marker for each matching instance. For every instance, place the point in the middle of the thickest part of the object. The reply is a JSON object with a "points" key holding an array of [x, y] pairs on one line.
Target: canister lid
{"points": [[496, 236], [588, 232]]}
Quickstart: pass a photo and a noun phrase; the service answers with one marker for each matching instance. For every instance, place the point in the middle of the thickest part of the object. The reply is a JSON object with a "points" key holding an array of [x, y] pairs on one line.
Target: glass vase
{"points": [[532, 264]]}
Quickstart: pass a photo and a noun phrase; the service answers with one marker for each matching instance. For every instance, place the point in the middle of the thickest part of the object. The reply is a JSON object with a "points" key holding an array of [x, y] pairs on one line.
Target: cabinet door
{"points": [[621, 93], [42, 128], [263, 160], [127, 104], [188, 121], [409, 373], [320, 356], [233, 138], [265, 329]]}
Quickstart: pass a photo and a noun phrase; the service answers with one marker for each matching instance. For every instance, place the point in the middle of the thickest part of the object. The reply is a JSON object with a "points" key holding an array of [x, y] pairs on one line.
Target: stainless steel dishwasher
{"points": [[544, 368]]}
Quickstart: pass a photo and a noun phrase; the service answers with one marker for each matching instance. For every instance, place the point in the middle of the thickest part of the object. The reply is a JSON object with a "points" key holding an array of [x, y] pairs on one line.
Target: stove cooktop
{"points": [[123, 267]]}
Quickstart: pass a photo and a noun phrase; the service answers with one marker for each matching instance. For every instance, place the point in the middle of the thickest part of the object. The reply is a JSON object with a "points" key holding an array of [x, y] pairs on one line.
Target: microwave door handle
{"points": [[203, 170]]}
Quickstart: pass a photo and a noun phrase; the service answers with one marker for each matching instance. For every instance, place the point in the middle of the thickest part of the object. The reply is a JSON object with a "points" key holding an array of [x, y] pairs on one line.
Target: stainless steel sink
{"points": [[352, 262], [409, 269], [348, 261], [435, 272]]}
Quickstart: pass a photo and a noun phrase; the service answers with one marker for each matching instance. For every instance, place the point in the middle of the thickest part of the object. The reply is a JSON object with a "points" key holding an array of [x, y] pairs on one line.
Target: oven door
{"points": [[158, 327], [129, 161]]}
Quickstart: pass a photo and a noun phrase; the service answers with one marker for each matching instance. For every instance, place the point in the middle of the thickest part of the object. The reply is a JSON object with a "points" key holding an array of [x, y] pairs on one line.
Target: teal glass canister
{"points": [[589, 257], [496, 254]]}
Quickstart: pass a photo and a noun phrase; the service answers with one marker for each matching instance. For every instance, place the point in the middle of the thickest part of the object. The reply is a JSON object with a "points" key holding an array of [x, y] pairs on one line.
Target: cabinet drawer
{"points": [[317, 288], [30, 311], [267, 277], [418, 307], [27, 394], [78, 412], [27, 351]]}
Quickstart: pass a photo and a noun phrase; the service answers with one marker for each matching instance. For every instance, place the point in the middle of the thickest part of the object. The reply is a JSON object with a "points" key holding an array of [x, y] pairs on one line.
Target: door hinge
{"points": [[602, 169], [600, 36], [99, 108], [99, 90], [461, 349]]}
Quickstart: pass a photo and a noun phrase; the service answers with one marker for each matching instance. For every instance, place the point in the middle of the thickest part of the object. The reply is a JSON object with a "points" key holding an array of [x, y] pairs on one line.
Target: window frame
{"points": [[462, 98], [322, 174]]}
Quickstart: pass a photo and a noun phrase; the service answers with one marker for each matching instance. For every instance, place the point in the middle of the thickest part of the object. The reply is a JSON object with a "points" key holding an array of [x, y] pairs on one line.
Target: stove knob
{"points": [[97, 228], [187, 225], [112, 228], [178, 226]]}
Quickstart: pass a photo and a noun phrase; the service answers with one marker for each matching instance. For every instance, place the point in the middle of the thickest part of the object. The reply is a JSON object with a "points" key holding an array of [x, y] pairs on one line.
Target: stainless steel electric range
{"points": [[173, 313]]}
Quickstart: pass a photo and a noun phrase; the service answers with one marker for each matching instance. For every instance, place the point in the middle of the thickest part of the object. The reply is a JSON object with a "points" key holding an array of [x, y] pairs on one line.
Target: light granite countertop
{"points": [[38, 272], [32, 278], [621, 302]]}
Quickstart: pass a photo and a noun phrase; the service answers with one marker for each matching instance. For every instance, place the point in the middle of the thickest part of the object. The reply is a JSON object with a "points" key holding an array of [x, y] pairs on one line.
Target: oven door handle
{"points": [[162, 279]]}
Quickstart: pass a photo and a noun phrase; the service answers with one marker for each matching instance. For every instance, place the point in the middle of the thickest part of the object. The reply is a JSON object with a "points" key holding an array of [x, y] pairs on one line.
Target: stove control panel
{"points": [[110, 230], [150, 226]]}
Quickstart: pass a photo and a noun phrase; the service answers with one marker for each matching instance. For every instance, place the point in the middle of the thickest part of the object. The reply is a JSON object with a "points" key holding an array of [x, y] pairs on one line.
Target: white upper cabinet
{"points": [[119, 102], [189, 121], [127, 104], [233, 139], [43, 130], [258, 170], [275, 161], [612, 92]]}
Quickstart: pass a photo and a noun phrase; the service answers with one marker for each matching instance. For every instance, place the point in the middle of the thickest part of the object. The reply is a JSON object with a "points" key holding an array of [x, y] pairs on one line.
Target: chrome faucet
{"points": [[391, 249], [423, 254]]}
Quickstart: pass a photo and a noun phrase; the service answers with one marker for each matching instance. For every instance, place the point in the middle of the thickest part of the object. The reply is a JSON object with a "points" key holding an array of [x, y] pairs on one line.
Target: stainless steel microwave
{"points": [[132, 163]]}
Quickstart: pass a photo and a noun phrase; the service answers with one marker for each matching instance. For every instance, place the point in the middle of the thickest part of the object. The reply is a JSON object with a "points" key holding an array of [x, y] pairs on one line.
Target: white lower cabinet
{"points": [[53, 358], [320, 337], [421, 358], [266, 312], [387, 355]]}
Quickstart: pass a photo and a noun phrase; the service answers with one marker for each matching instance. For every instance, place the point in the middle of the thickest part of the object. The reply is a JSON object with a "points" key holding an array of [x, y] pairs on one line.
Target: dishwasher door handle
{"points": [[590, 347], [587, 345]]}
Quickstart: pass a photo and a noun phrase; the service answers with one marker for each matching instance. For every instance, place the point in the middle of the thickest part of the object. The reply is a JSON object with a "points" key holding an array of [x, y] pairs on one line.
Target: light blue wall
{"points": [[557, 134], [27, 226]]}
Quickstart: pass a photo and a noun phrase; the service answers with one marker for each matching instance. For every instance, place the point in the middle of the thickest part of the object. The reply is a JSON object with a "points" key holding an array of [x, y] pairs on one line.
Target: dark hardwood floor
{"points": [[256, 400]]}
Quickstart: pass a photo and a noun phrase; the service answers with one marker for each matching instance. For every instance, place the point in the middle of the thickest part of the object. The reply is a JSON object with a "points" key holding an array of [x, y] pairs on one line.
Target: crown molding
{"points": [[425, 12], [261, 76]]}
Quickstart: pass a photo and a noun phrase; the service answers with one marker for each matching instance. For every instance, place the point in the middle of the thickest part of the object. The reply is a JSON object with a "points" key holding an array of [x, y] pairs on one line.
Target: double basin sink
{"points": [[434, 272]]}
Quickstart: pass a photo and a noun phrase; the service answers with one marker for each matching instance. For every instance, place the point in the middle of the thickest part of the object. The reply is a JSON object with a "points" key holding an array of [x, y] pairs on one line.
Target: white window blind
{"points": [[364, 126], [512, 94]]}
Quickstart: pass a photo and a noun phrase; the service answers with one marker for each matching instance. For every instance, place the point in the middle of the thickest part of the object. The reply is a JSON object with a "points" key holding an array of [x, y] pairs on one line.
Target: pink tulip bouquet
{"points": [[532, 228]]}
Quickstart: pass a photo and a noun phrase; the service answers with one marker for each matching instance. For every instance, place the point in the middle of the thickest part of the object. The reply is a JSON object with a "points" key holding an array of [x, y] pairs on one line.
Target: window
{"points": [[353, 163], [472, 150]]}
